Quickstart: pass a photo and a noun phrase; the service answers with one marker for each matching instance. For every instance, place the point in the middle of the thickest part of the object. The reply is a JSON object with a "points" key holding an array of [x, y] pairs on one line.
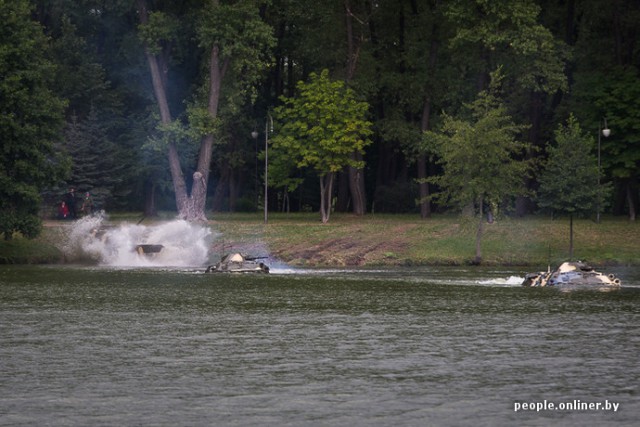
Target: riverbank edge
{"points": [[382, 240]]}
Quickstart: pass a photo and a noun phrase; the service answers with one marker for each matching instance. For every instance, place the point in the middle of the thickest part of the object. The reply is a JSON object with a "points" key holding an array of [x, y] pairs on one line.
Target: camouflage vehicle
{"points": [[238, 263], [573, 274], [148, 249]]}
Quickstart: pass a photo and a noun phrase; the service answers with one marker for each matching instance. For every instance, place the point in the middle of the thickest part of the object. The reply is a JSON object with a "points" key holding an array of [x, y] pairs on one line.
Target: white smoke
{"points": [[92, 239]]}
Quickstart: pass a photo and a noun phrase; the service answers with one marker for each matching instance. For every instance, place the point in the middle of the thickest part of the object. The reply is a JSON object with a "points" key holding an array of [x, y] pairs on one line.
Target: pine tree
{"points": [[95, 159]]}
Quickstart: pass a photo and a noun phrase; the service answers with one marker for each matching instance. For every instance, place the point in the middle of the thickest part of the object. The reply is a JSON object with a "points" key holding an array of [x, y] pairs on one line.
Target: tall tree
{"points": [[95, 166], [568, 183], [607, 86], [234, 39], [481, 158], [508, 33], [355, 35], [31, 118], [320, 128]]}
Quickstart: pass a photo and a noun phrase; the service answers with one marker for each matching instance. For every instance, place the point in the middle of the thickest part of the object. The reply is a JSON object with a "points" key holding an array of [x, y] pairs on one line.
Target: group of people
{"points": [[68, 206]]}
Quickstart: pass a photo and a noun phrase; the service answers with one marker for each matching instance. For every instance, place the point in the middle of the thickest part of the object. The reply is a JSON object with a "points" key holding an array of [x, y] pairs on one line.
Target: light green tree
{"points": [[321, 128], [31, 118], [481, 157], [568, 183]]}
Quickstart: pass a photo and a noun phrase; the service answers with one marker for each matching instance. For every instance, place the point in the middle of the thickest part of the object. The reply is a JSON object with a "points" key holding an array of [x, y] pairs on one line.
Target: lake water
{"points": [[107, 346]]}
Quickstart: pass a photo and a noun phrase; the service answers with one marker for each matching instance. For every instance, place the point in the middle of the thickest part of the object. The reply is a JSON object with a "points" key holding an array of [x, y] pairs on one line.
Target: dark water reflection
{"points": [[91, 346]]}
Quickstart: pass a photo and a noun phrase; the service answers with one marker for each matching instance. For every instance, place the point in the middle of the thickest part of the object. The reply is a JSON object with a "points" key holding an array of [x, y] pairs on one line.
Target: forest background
{"points": [[139, 102]]}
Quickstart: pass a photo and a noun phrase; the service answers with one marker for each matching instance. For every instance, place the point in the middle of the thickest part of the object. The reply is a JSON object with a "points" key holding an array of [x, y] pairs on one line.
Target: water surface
{"points": [[103, 346]]}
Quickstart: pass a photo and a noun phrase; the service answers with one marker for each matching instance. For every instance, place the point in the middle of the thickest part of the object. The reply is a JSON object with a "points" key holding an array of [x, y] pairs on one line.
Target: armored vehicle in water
{"points": [[577, 274], [239, 263]]}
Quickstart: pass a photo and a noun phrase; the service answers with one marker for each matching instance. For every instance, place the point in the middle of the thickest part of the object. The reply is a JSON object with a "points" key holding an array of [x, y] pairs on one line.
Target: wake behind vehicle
{"points": [[238, 263], [578, 274]]}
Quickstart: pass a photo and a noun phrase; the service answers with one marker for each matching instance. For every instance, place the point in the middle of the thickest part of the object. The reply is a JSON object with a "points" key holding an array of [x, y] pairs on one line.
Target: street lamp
{"points": [[268, 127], [254, 135], [602, 131]]}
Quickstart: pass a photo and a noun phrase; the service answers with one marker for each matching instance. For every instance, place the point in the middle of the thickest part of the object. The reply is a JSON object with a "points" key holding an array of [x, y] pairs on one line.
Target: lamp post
{"points": [[602, 131], [268, 127], [254, 135], [268, 122]]}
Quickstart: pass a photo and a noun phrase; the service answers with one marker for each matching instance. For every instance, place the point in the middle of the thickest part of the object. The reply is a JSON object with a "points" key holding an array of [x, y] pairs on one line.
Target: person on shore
{"points": [[63, 211], [70, 200], [87, 204]]}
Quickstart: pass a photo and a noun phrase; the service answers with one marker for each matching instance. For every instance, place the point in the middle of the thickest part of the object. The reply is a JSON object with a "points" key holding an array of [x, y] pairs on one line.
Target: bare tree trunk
{"points": [[190, 207], [425, 205], [326, 192], [356, 185], [479, 232], [631, 202], [201, 175], [159, 89], [150, 198], [356, 178], [571, 237], [342, 182], [423, 186]]}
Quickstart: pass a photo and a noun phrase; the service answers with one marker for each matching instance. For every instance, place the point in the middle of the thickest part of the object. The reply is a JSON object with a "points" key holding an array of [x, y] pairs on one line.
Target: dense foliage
{"points": [[321, 128], [482, 161], [223, 66], [30, 120]]}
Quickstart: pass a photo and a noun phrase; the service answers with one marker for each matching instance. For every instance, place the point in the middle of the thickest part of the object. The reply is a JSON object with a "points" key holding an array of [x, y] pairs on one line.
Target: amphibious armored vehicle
{"points": [[577, 274], [238, 263]]}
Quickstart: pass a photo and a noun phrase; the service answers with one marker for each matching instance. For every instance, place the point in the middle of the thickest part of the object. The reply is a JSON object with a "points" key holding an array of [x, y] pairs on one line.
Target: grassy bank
{"points": [[375, 240], [24, 251], [300, 239]]}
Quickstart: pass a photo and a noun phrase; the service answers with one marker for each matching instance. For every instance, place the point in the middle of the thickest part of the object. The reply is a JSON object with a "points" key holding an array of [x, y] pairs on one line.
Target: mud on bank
{"points": [[385, 240]]}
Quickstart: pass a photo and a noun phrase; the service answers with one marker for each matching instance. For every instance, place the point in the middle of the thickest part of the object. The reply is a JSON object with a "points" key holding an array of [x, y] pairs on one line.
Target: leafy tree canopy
{"points": [[568, 183], [480, 156], [322, 126], [321, 129], [31, 118]]}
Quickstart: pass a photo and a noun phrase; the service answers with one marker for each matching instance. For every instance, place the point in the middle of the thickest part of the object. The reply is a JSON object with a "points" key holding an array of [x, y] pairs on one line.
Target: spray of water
{"points": [[92, 239]]}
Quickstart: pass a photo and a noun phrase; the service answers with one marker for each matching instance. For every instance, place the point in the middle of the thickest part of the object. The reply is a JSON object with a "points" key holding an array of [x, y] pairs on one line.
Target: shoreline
{"points": [[383, 240]]}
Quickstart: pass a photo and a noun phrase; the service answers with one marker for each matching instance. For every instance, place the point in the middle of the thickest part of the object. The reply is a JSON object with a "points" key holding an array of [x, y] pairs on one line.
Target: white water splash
{"points": [[509, 281], [92, 239]]}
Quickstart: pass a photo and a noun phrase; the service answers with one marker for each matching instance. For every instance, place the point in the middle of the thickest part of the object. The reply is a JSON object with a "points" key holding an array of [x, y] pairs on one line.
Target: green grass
{"points": [[372, 240], [24, 251], [445, 240]]}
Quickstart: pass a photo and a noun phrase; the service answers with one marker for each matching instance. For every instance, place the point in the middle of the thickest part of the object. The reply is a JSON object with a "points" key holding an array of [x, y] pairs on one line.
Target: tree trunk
{"points": [[190, 207], [160, 92], [631, 202], [479, 232], [356, 178], [326, 192], [342, 202], [150, 198], [571, 237], [425, 205], [356, 185]]}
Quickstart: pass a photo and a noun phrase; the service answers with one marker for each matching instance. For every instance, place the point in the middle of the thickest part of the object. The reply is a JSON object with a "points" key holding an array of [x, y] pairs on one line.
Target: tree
{"points": [[568, 183], [235, 40], [321, 128], [481, 158], [508, 33], [95, 168], [31, 118]]}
